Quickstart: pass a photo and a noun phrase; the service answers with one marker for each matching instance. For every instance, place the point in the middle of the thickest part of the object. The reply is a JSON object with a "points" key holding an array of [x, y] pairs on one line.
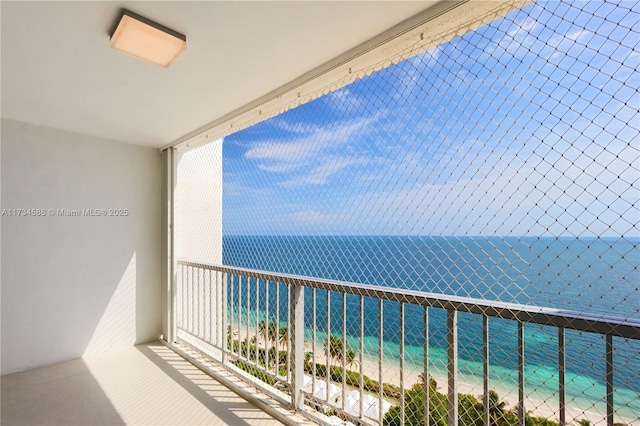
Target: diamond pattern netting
{"points": [[502, 165]]}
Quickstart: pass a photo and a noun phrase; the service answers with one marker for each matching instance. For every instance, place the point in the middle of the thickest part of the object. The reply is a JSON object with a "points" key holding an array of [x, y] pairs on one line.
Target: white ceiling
{"points": [[58, 69]]}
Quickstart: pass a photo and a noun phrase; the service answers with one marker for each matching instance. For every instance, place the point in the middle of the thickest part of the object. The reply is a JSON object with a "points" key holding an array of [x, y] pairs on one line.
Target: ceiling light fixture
{"points": [[145, 39]]}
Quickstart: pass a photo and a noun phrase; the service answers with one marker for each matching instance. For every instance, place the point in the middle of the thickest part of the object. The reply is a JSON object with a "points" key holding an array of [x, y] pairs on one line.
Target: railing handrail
{"points": [[563, 318]]}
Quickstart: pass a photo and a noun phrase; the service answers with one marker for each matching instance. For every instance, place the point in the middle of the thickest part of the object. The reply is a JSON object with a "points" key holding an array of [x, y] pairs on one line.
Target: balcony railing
{"points": [[236, 317]]}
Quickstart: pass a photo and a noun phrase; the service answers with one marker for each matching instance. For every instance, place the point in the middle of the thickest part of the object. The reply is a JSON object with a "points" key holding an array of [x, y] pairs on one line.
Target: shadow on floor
{"points": [[60, 394], [143, 385], [227, 405]]}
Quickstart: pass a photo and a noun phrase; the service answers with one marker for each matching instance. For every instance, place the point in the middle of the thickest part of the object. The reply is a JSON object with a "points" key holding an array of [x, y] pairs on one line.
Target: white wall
{"points": [[197, 194], [198, 204], [74, 285]]}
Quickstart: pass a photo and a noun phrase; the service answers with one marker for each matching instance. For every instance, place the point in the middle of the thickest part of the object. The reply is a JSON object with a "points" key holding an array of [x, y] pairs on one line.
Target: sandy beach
{"points": [[467, 385], [535, 406]]}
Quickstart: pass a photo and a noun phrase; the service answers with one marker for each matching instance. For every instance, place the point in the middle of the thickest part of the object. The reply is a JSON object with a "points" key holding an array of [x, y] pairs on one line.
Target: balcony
{"points": [[438, 226], [182, 383], [249, 304], [146, 384]]}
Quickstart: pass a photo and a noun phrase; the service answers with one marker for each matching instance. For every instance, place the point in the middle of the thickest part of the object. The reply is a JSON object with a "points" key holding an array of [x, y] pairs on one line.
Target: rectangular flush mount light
{"points": [[147, 40]]}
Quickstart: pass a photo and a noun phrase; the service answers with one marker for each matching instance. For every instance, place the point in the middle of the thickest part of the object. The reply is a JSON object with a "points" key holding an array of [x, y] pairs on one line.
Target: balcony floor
{"points": [[144, 385]]}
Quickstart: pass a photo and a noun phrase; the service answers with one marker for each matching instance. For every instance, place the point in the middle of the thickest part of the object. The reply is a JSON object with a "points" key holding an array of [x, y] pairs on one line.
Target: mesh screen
{"points": [[503, 165], [513, 149]]}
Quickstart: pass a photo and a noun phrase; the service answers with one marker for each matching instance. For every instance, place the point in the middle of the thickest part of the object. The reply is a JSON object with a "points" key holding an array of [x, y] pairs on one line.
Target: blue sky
{"points": [[528, 126]]}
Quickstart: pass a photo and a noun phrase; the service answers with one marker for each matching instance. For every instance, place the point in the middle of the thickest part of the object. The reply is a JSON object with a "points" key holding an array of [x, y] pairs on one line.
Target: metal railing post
{"points": [[609, 378], [452, 367], [361, 360], [486, 402], [427, 380], [522, 416], [297, 346], [561, 377], [380, 359], [402, 391], [225, 322], [344, 349]]}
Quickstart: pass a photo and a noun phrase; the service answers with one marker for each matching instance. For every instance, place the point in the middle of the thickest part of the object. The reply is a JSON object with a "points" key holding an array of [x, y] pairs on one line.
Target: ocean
{"points": [[597, 275]]}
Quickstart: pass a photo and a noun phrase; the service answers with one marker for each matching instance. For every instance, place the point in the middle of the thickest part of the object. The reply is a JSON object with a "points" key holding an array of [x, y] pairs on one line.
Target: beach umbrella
{"points": [[351, 399], [320, 391], [352, 403], [335, 420], [334, 392], [372, 406], [307, 383]]}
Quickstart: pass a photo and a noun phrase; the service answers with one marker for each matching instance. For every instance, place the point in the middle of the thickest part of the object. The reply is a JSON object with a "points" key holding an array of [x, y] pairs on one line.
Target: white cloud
{"points": [[299, 149], [320, 174], [301, 153], [578, 35], [419, 67], [298, 128], [520, 35], [561, 43], [580, 196], [280, 167], [344, 100], [521, 31], [316, 139]]}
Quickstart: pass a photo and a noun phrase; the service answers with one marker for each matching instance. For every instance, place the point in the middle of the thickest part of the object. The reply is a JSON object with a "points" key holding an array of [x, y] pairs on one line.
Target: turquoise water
{"points": [[594, 275]]}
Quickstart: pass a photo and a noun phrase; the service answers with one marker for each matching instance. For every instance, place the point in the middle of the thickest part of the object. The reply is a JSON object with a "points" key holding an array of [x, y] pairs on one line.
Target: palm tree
{"points": [[333, 348], [273, 333], [272, 357], [497, 408], [229, 337], [262, 328], [351, 359], [283, 332], [433, 385], [335, 351], [269, 332], [307, 358]]}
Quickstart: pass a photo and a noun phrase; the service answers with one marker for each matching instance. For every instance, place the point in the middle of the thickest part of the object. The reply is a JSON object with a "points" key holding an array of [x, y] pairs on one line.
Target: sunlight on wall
{"points": [[117, 327]]}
